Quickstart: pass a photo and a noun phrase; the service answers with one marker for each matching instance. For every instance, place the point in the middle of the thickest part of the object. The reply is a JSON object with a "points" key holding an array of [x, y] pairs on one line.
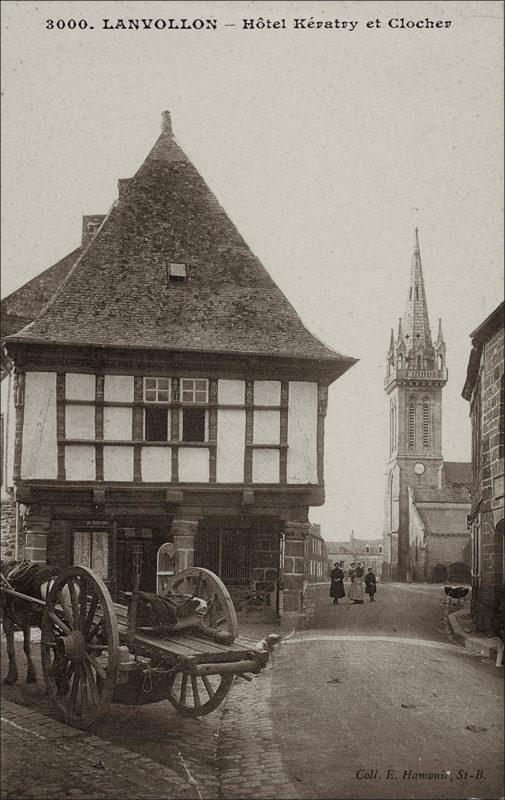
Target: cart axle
{"points": [[236, 667]]}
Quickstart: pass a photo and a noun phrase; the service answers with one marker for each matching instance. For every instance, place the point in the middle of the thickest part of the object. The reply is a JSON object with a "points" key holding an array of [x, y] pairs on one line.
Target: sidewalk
{"points": [[45, 759], [464, 631], [42, 758]]}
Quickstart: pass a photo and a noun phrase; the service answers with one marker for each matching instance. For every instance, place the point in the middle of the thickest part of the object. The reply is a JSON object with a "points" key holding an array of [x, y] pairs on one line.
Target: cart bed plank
{"points": [[186, 645]]}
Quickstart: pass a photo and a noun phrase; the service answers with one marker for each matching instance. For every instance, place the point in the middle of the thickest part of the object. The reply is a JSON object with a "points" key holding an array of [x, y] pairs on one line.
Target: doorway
{"points": [[129, 541]]}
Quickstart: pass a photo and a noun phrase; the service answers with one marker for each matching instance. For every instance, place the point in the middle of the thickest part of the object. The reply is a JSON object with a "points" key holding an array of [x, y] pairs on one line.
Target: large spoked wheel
{"points": [[79, 646], [202, 583], [197, 695]]}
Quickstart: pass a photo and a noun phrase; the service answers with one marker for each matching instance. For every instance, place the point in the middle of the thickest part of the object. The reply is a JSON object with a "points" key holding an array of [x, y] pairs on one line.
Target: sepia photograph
{"points": [[252, 383]]}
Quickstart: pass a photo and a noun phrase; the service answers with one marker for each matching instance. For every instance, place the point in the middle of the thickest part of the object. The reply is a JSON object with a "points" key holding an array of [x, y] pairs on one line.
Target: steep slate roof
{"points": [[357, 545], [25, 304], [479, 336], [117, 294]]}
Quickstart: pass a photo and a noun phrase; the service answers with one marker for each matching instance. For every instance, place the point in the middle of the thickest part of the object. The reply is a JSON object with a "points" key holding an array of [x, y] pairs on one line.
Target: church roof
{"points": [[119, 292], [449, 493], [444, 521], [416, 325]]}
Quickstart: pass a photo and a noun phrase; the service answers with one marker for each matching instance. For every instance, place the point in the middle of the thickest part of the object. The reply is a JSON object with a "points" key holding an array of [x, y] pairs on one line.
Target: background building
{"points": [[368, 551], [485, 391], [316, 556], [167, 393], [416, 373]]}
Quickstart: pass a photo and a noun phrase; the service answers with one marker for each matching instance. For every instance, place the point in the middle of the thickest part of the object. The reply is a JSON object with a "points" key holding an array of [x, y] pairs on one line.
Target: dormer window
{"points": [[93, 228], [176, 273]]}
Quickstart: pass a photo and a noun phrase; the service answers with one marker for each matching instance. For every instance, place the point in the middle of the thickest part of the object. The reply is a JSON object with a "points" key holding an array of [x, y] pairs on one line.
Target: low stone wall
{"points": [[8, 528]]}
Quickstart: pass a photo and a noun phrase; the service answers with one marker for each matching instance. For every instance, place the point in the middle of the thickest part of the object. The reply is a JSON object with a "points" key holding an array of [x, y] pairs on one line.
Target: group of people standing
{"points": [[356, 591]]}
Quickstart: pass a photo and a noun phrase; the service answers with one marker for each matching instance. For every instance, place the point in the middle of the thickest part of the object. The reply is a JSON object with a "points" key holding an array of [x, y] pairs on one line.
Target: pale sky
{"points": [[325, 146]]}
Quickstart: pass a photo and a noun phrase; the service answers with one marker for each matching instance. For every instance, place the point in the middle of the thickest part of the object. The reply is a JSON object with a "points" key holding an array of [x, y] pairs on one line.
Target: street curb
{"points": [[484, 646]]}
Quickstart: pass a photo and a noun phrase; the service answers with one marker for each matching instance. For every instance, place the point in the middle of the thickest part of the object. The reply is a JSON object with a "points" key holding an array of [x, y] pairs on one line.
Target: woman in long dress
{"points": [[337, 583], [356, 591]]}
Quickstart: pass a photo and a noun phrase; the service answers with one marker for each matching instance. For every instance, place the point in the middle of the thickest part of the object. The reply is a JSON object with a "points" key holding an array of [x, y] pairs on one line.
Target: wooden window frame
{"points": [[157, 389]]}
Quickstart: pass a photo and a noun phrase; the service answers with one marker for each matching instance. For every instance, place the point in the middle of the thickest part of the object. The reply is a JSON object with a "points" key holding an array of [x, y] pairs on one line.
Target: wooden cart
{"points": [[93, 654]]}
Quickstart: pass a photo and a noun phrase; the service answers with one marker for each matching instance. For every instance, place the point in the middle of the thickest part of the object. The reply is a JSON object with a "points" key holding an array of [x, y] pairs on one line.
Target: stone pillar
{"points": [[184, 531], [295, 534], [36, 523]]}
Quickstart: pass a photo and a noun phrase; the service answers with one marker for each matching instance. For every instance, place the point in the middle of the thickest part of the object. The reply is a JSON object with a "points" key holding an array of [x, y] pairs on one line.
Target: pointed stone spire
{"points": [[401, 339], [391, 343], [415, 317], [440, 335]]}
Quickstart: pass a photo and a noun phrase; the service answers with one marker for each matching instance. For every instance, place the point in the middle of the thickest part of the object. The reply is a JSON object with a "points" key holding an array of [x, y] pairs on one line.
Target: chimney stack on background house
{"points": [[166, 122]]}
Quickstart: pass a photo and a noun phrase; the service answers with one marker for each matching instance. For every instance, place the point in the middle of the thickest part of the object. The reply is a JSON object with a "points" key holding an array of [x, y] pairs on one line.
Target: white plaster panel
{"points": [[117, 423], [118, 388], [157, 464], [266, 427], [80, 422], [194, 464], [39, 458], [79, 462], [9, 431], [302, 432], [117, 463], [265, 466], [231, 392], [267, 393], [79, 386], [230, 445]]}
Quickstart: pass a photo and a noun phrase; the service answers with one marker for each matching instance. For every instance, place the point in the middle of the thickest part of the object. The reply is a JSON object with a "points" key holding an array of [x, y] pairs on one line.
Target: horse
{"points": [[33, 580]]}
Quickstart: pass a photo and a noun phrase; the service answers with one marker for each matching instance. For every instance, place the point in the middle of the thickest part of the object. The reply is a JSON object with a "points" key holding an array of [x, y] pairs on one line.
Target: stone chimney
{"points": [[121, 186], [166, 122], [90, 225]]}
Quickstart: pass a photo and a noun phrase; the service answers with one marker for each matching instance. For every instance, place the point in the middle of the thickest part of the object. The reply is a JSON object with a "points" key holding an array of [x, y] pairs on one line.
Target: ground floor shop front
{"points": [[262, 558]]}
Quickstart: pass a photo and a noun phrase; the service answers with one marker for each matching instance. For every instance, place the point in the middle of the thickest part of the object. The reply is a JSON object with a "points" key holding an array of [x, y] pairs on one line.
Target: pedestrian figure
{"points": [[370, 584], [337, 582], [356, 593]]}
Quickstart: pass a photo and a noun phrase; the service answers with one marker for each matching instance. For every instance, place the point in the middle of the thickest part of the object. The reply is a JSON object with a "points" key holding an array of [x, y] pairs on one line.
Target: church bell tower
{"points": [[416, 373]]}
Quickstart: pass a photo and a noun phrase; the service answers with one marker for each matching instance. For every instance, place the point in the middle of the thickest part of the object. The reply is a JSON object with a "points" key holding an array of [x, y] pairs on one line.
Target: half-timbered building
{"points": [[168, 398]]}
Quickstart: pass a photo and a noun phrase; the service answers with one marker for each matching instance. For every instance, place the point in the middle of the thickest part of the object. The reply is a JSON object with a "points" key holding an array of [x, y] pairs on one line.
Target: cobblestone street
{"points": [[376, 687]]}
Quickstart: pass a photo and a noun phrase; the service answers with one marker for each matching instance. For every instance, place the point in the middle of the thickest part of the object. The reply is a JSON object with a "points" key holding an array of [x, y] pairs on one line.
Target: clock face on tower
{"points": [[419, 468]]}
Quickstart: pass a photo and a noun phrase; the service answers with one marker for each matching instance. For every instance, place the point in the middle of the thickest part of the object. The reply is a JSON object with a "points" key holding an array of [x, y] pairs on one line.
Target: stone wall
{"points": [[448, 551], [36, 525], [489, 488], [8, 528]]}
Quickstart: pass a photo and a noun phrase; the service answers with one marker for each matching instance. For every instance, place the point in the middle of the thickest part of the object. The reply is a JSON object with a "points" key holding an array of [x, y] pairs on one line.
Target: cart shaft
{"points": [[22, 596]]}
